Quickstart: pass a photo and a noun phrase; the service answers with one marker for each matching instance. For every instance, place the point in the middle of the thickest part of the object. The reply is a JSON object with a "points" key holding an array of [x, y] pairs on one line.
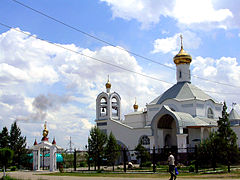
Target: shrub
{"points": [[61, 168], [83, 164], [13, 168], [146, 164], [191, 168], [100, 171]]}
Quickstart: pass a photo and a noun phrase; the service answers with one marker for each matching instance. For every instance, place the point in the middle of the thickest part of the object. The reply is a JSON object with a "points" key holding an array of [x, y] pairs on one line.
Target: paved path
{"points": [[37, 176]]}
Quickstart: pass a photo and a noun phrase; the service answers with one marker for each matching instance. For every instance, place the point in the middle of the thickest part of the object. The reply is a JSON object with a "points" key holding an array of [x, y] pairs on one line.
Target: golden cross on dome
{"points": [[45, 125], [181, 37]]}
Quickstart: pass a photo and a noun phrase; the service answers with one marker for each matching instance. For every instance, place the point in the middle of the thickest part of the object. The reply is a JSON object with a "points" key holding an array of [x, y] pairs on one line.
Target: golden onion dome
{"points": [[182, 57], [45, 131], [108, 84], [135, 106]]}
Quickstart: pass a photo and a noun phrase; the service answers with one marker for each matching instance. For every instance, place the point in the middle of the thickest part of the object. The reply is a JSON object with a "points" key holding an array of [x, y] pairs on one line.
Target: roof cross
{"points": [[181, 37]]}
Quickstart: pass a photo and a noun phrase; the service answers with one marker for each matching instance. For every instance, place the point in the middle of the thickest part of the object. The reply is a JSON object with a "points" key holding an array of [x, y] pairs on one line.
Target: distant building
{"points": [[180, 117]]}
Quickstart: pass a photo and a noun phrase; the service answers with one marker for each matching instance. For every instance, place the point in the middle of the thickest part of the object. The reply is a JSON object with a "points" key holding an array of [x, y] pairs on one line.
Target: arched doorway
{"points": [[167, 141], [166, 130]]}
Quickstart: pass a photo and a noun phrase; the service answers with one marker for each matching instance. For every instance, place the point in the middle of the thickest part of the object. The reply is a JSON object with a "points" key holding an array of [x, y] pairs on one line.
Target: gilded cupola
{"points": [[45, 132], [108, 85], [182, 57], [135, 106]]}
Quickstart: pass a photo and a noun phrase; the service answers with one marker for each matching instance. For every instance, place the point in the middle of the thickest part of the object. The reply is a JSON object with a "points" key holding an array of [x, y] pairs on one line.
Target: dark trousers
{"points": [[172, 171]]}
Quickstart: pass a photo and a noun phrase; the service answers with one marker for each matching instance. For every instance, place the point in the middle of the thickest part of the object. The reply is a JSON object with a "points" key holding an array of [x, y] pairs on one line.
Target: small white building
{"points": [[45, 146], [180, 117]]}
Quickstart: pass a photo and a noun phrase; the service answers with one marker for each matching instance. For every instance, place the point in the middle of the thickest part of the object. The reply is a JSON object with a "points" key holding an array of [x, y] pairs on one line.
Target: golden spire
{"points": [[135, 106], [45, 131], [108, 84], [182, 57]]}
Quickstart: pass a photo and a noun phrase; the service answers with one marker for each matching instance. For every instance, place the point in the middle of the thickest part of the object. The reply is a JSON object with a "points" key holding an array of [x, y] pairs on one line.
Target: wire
{"points": [[104, 62], [111, 44], [93, 58]]}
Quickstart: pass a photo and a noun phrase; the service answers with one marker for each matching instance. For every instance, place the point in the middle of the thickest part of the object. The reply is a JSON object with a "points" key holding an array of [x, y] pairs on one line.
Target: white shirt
{"points": [[171, 160]]}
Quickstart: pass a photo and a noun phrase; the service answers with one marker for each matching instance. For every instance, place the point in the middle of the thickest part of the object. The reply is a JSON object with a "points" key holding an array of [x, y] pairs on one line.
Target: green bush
{"points": [[83, 164], [100, 171], [7, 178], [61, 168], [146, 164], [13, 168], [191, 168]]}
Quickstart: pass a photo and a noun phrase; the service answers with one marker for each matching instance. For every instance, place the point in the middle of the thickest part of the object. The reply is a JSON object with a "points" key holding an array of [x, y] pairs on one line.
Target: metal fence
{"points": [[128, 161]]}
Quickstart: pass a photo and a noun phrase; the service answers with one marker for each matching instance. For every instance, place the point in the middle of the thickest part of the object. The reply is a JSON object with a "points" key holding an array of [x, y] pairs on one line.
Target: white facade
{"points": [[45, 145], [181, 117]]}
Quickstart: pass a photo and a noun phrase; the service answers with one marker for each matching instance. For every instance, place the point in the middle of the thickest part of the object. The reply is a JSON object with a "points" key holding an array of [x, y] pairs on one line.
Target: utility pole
{"points": [[70, 145]]}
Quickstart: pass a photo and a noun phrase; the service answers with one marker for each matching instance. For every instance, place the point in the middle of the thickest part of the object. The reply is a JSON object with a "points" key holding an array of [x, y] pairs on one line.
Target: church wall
{"points": [[129, 136], [236, 129], [194, 134], [151, 112], [202, 108], [135, 120], [153, 109], [188, 106]]}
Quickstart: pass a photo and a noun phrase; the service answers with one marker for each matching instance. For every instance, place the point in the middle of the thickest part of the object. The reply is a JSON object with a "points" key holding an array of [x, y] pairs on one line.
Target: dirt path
{"points": [[37, 176]]}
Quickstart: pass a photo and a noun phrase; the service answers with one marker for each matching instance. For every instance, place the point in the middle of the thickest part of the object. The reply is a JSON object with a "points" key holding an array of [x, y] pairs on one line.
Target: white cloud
{"points": [[146, 12], [172, 44], [192, 13], [34, 71], [224, 70], [80, 79], [199, 11]]}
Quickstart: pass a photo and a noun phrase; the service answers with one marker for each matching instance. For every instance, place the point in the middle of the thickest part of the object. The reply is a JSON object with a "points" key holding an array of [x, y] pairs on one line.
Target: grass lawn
{"points": [[235, 174]]}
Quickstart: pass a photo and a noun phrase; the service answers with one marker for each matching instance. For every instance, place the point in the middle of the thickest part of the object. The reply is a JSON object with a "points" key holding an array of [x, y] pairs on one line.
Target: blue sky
{"points": [[40, 81]]}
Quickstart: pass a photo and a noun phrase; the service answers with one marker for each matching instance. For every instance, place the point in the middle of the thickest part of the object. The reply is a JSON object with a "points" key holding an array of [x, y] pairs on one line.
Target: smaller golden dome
{"points": [[135, 106], [108, 84], [45, 131], [182, 57]]}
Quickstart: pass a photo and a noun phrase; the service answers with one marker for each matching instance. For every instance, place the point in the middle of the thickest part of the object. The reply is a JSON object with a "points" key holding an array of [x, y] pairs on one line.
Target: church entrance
{"points": [[166, 128]]}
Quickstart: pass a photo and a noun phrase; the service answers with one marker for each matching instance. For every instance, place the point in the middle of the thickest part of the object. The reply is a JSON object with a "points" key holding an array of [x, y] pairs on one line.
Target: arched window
{"points": [[144, 140], [114, 107], [103, 107], [210, 113]]}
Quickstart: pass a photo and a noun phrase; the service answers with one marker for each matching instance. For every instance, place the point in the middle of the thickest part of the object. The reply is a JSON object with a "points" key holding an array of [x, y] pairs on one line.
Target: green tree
{"points": [[4, 138], [6, 156], [112, 150], [227, 140], [18, 144], [221, 146], [96, 143], [207, 150], [142, 154]]}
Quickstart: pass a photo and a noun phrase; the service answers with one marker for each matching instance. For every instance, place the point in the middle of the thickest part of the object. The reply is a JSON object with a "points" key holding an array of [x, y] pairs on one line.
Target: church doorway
{"points": [[167, 141], [167, 131]]}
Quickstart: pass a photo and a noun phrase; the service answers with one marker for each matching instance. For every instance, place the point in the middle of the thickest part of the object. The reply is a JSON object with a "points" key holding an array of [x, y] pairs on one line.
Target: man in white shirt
{"points": [[171, 163]]}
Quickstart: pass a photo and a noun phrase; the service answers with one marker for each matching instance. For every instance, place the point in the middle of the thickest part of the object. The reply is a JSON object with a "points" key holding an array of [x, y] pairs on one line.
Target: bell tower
{"points": [[182, 61], [108, 107]]}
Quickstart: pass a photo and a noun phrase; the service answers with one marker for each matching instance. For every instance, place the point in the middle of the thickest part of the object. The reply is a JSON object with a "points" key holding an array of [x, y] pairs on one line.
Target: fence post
{"points": [[124, 160], [75, 160], [154, 162], [196, 158]]}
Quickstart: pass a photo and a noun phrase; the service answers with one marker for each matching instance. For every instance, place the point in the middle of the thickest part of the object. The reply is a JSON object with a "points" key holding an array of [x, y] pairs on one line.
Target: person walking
{"points": [[171, 163]]}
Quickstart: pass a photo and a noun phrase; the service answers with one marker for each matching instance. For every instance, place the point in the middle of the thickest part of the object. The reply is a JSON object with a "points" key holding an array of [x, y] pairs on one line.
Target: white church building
{"points": [[180, 117]]}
